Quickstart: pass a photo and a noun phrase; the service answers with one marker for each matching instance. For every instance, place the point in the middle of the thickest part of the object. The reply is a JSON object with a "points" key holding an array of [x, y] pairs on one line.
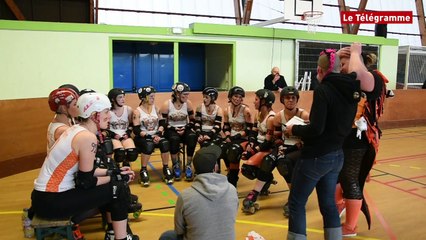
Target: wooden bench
{"points": [[44, 228]]}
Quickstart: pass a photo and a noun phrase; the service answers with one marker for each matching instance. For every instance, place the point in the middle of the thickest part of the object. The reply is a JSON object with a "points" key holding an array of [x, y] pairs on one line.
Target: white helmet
{"points": [[92, 102]]}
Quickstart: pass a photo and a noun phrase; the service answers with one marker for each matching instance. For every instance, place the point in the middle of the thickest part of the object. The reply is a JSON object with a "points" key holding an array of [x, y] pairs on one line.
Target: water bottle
{"points": [[26, 224]]}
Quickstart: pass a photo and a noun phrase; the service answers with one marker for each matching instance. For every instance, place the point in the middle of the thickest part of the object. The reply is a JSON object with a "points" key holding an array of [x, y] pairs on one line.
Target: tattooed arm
{"points": [[84, 145]]}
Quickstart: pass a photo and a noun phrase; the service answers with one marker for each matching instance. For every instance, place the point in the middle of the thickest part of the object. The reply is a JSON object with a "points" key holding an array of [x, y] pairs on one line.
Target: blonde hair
{"points": [[369, 59]]}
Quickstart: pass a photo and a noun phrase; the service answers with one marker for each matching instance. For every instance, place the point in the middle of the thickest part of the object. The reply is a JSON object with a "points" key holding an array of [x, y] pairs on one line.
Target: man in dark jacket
{"points": [[274, 81], [333, 109]]}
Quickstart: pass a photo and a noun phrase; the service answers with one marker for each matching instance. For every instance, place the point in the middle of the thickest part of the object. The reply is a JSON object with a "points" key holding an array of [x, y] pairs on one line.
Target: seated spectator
{"points": [[275, 81]]}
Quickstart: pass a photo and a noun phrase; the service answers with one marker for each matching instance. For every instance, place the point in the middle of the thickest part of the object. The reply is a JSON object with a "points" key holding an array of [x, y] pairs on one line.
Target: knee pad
{"points": [[191, 143], [284, 165], [174, 142], [217, 141], [249, 171], [120, 200], [164, 145], [264, 176], [148, 147], [131, 154], [119, 155], [224, 146], [268, 163], [234, 153]]}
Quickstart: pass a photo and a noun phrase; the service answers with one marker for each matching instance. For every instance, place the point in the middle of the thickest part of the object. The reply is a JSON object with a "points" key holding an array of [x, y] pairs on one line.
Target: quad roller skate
{"points": [[168, 176], [136, 209], [265, 190], [144, 177], [189, 174], [177, 172], [249, 203], [134, 198]]}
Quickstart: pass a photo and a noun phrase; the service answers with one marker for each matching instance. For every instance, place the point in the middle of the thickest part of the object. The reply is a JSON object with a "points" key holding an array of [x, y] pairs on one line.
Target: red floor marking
{"points": [[395, 159], [404, 179], [400, 189], [412, 190], [379, 216]]}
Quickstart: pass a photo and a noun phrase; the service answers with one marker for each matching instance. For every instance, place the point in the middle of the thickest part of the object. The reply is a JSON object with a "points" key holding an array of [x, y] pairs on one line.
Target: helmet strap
{"points": [[96, 118], [116, 103]]}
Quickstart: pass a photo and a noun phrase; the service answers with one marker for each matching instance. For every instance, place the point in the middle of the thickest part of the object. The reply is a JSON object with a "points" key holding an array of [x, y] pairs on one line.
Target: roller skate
{"points": [[168, 176], [136, 209], [134, 198], [77, 233], [189, 174], [249, 203], [286, 210], [144, 177], [265, 190], [177, 171]]}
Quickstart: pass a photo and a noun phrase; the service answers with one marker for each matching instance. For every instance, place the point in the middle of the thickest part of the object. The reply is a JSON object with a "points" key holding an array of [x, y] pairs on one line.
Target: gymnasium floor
{"points": [[396, 195]]}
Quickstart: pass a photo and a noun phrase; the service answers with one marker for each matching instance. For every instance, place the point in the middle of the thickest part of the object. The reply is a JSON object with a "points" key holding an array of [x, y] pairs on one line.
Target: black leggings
{"points": [[349, 175], [189, 138], [62, 205]]}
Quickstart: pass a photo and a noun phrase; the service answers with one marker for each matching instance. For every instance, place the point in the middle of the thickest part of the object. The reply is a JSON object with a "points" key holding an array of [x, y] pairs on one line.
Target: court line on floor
{"points": [[400, 189], [380, 217], [400, 158], [258, 223]]}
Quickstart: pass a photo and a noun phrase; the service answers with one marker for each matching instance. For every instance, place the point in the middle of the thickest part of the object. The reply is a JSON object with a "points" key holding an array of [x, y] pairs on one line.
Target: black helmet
{"points": [[289, 90], [144, 92], [180, 87], [87, 90], [212, 92], [113, 93], [267, 95], [236, 90], [67, 85]]}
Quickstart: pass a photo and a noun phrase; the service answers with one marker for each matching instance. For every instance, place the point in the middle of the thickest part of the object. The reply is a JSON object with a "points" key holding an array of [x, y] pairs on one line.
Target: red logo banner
{"points": [[380, 17]]}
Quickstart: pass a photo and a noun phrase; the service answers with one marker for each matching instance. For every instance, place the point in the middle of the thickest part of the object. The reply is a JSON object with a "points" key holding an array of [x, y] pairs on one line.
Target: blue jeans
{"points": [[320, 173]]}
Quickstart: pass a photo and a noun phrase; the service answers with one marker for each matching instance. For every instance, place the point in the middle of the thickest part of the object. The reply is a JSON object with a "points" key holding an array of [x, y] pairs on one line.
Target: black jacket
{"points": [[332, 113], [267, 84]]}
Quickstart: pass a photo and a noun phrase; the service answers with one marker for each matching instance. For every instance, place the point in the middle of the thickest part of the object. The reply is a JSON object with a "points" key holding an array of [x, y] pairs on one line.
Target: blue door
{"points": [[123, 59], [138, 64], [192, 65]]}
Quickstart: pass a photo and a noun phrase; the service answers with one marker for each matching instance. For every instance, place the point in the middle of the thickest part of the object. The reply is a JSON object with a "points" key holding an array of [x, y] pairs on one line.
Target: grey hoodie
{"points": [[207, 209]]}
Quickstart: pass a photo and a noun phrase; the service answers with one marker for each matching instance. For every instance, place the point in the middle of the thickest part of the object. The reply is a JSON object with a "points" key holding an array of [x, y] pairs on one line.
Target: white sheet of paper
{"points": [[296, 121]]}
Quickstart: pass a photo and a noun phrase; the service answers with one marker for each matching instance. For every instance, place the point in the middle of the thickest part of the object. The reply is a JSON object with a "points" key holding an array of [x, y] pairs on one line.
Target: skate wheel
{"points": [[137, 214], [252, 209], [145, 184], [256, 206]]}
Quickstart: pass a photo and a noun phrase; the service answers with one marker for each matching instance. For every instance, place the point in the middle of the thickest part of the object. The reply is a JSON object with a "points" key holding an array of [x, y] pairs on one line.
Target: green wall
{"points": [[36, 57]]}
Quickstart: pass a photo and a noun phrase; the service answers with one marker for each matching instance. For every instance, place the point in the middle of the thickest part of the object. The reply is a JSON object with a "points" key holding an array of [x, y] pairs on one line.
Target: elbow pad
{"points": [[86, 180], [266, 145], [249, 128], [137, 130], [163, 123], [226, 127]]}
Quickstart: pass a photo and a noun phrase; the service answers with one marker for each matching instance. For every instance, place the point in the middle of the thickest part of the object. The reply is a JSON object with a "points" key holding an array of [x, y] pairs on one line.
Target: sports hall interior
{"points": [[36, 57]]}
